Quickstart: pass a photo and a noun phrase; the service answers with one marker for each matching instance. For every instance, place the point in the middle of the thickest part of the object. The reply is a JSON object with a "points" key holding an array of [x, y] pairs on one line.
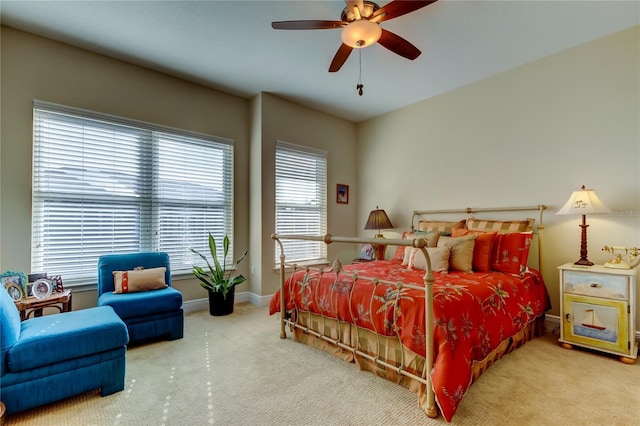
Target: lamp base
{"points": [[583, 244], [379, 249]]}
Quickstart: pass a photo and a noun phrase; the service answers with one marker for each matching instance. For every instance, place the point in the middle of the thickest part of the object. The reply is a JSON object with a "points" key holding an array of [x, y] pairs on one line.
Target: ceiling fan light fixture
{"points": [[361, 33]]}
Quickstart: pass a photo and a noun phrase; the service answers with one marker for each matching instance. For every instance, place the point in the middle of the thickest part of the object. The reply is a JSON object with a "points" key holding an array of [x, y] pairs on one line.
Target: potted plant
{"points": [[217, 280]]}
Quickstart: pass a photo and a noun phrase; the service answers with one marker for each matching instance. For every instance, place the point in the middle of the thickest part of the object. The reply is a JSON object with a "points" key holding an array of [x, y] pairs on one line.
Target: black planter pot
{"points": [[218, 305]]}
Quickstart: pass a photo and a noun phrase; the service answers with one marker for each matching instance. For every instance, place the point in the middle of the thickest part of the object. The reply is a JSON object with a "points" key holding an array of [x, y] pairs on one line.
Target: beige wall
{"points": [[528, 136], [37, 68], [288, 122]]}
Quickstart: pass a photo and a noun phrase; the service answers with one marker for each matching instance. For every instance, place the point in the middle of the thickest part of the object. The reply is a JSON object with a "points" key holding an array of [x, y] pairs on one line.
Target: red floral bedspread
{"points": [[473, 313]]}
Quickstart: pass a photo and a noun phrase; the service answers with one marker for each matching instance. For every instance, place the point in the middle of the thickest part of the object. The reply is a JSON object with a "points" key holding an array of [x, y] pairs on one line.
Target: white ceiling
{"points": [[230, 46]]}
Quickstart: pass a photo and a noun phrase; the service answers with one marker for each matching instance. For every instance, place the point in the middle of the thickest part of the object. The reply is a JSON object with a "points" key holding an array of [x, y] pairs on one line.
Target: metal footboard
{"points": [[339, 341]]}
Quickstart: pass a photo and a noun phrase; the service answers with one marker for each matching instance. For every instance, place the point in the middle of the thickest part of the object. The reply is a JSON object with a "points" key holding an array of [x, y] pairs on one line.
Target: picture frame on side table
{"points": [[342, 194], [32, 278], [14, 291], [367, 252], [56, 284], [10, 280], [42, 288]]}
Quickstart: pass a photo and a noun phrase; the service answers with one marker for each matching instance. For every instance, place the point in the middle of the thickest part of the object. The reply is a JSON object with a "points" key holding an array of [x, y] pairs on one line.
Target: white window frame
{"points": [[128, 186], [300, 170]]}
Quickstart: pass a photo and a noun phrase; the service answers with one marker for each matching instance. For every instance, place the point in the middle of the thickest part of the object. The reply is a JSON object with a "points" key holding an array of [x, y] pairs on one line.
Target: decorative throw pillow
{"points": [[461, 256], [482, 249], [511, 252], [500, 226], [432, 241], [439, 257], [139, 280], [440, 226]]}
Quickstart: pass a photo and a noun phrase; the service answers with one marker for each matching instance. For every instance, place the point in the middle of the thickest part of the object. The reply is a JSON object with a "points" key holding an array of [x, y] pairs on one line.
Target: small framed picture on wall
{"points": [[342, 194]]}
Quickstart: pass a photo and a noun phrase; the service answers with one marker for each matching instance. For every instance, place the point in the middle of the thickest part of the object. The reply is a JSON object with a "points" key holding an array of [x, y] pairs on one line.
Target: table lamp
{"points": [[379, 220], [583, 201]]}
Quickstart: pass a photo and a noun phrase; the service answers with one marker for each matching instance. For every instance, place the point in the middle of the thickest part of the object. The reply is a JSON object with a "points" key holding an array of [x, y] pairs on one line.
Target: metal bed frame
{"points": [[428, 279]]}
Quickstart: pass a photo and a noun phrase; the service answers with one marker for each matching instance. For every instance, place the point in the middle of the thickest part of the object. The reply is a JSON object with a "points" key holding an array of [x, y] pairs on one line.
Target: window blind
{"points": [[104, 184], [301, 208]]}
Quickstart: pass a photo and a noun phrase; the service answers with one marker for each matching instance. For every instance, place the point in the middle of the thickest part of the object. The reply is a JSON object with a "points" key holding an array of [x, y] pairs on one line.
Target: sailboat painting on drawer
{"points": [[596, 322]]}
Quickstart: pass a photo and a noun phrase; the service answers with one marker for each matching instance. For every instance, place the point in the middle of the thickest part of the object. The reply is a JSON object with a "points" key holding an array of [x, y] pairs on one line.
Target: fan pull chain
{"points": [[360, 86]]}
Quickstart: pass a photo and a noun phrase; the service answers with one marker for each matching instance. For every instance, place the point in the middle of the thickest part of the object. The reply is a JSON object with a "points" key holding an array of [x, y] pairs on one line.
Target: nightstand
{"points": [[597, 309]]}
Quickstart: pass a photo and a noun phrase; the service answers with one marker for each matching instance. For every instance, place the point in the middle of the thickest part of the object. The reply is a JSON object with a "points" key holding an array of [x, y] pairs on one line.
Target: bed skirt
{"points": [[392, 352]]}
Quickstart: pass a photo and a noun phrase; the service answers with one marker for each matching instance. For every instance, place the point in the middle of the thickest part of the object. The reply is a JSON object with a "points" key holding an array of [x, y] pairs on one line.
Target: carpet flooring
{"points": [[235, 370]]}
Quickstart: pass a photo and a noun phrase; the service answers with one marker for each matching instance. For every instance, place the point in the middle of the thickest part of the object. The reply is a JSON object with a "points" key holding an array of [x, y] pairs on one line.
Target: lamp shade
{"points": [[583, 201], [378, 219], [361, 33]]}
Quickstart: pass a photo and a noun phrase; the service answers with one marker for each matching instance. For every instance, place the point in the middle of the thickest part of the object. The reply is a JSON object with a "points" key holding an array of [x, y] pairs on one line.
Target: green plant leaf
{"points": [[240, 259], [238, 279], [225, 249], [203, 276], [218, 273], [216, 279]]}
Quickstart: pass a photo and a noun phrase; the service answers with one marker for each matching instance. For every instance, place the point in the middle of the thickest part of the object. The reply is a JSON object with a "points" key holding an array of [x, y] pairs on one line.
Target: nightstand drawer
{"points": [[615, 287], [596, 322]]}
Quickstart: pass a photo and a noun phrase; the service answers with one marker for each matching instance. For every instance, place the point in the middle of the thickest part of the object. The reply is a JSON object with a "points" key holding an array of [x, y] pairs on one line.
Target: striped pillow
{"points": [[500, 226], [444, 228]]}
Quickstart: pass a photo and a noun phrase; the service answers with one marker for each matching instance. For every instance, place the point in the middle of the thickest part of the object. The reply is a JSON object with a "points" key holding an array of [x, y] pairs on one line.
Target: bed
{"points": [[455, 296]]}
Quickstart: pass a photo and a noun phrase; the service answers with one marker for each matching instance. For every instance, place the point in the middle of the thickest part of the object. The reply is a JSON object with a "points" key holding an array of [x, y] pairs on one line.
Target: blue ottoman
{"points": [[49, 358]]}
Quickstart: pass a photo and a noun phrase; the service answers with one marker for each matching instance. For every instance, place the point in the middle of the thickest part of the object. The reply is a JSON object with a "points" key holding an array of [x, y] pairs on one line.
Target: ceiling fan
{"points": [[360, 21]]}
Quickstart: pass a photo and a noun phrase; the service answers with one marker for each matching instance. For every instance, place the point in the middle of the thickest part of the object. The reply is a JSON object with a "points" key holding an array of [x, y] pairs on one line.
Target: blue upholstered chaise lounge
{"points": [[148, 314], [52, 357]]}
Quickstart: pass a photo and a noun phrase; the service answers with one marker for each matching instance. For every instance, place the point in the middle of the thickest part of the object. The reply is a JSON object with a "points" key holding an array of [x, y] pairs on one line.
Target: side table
{"points": [[597, 309], [33, 305]]}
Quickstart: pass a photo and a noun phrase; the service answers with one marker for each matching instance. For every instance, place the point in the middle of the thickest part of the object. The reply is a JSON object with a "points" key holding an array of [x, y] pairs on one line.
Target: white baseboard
{"points": [[551, 322], [241, 297]]}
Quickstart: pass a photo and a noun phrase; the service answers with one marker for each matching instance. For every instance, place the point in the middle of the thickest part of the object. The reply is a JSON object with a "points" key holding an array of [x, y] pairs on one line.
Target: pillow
{"points": [[139, 280], [439, 257], [481, 261], [461, 256], [500, 226], [440, 226], [431, 237], [511, 252]]}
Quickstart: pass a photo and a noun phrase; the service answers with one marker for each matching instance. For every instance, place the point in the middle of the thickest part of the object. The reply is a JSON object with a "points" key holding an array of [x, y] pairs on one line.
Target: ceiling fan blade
{"points": [[340, 58], [398, 8], [307, 25], [398, 45]]}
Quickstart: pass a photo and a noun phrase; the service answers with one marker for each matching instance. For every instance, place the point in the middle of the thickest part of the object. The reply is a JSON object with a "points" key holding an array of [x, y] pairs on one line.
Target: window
{"points": [[104, 184], [301, 207]]}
